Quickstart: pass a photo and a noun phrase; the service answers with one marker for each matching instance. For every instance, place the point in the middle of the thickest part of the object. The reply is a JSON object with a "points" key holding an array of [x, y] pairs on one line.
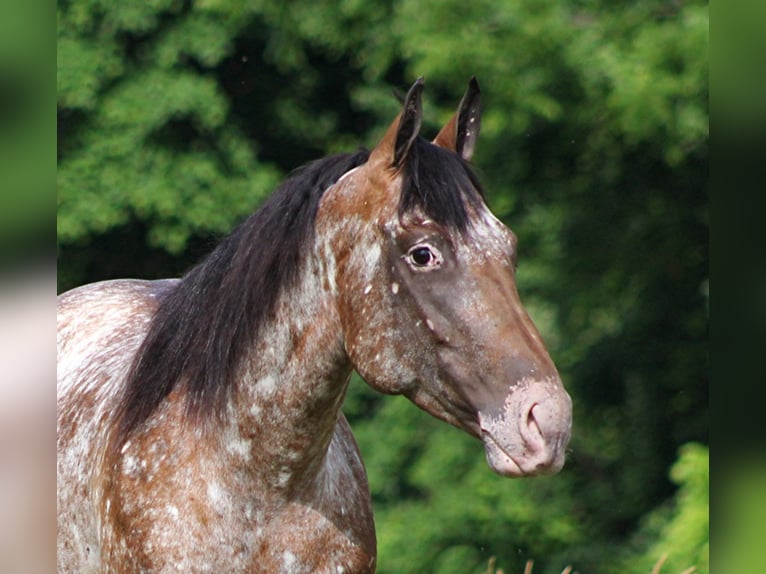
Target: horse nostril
{"points": [[533, 418], [532, 433]]}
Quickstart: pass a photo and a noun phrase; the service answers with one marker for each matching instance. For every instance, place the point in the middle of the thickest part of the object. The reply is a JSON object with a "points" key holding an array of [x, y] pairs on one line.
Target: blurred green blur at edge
{"points": [[27, 131], [740, 510], [27, 286]]}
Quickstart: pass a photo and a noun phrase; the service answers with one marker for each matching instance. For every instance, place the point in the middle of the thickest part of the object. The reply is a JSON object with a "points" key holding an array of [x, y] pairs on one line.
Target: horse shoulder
{"points": [[232, 522], [342, 534], [325, 525]]}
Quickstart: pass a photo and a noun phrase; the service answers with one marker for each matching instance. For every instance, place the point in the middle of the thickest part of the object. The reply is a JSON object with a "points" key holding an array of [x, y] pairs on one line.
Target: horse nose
{"points": [[529, 434]]}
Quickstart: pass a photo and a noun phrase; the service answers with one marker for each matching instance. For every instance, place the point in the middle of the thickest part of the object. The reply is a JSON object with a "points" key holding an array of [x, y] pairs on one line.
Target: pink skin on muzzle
{"points": [[529, 434]]}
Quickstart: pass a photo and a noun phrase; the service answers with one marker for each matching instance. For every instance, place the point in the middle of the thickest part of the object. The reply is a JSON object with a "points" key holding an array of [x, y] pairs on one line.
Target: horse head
{"points": [[425, 282]]}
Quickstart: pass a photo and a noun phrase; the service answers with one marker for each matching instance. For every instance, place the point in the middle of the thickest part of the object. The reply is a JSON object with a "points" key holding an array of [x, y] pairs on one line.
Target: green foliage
{"points": [[176, 119], [27, 141], [147, 129], [677, 532]]}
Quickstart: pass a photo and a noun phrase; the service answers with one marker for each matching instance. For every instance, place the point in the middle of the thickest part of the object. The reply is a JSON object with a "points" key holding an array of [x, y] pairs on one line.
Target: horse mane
{"points": [[207, 322], [204, 325]]}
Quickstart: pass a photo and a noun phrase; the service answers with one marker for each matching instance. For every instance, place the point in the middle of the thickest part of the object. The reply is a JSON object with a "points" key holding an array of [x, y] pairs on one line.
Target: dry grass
{"points": [[491, 569], [661, 561]]}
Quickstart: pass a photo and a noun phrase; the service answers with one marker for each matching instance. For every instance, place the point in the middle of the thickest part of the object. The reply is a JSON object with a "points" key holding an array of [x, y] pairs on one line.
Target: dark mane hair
{"points": [[205, 324], [439, 182]]}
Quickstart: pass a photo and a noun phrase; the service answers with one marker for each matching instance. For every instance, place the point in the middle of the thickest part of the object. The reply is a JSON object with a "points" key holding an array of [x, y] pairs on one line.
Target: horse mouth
{"points": [[498, 459], [524, 463]]}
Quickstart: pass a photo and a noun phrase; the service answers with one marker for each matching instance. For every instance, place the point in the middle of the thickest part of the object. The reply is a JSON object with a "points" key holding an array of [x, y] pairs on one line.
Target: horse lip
{"points": [[540, 461], [508, 467]]}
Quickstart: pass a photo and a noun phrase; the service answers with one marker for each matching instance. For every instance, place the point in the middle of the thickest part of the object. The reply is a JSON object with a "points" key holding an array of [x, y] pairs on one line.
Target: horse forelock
{"points": [[205, 325], [441, 184]]}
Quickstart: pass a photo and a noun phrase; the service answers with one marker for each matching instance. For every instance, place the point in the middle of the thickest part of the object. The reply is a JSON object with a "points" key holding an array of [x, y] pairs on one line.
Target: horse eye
{"points": [[422, 256]]}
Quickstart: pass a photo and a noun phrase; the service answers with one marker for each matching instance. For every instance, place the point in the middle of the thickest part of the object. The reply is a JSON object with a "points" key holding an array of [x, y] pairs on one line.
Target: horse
{"points": [[199, 421]]}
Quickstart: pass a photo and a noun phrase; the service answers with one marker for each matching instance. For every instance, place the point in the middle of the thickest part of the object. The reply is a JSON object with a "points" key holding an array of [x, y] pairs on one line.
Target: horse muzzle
{"points": [[529, 433]]}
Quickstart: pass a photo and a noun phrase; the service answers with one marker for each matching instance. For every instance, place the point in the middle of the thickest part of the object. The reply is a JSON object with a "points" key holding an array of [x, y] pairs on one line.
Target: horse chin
{"points": [[502, 463]]}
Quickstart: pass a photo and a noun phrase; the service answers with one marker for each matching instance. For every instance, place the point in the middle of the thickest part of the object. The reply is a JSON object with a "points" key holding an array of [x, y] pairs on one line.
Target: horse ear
{"points": [[401, 134], [461, 132]]}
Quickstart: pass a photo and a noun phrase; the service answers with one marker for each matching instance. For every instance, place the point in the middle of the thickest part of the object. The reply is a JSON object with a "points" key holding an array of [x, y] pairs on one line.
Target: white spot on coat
{"points": [[288, 562]]}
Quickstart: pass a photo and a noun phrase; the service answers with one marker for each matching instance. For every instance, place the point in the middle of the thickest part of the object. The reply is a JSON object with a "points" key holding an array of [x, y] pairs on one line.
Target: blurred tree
{"points": [[177, 118]]}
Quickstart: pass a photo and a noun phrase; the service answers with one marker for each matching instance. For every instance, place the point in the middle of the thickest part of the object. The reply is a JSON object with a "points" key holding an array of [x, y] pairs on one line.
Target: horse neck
{"points": [[286, 403]]}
